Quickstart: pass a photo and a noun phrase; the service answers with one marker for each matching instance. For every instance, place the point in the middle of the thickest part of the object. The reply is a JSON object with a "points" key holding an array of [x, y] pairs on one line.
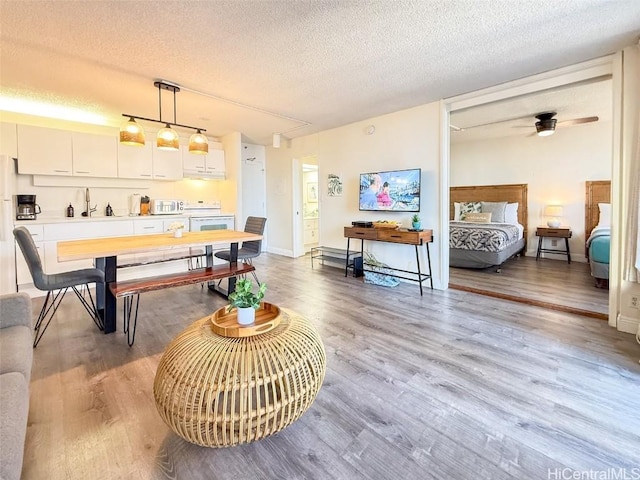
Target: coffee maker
{"points": [[26, 207]]}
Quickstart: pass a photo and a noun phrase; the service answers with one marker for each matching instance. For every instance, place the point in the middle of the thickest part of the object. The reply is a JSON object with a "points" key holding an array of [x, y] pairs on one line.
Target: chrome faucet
{"points": [[89, 210]]}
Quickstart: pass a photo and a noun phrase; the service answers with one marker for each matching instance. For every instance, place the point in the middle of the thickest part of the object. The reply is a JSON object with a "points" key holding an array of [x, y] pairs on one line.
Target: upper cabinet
{"points": [[167, 164], [211, 165], [95, 155], [135, 162], [8, 139], [44, 151]]}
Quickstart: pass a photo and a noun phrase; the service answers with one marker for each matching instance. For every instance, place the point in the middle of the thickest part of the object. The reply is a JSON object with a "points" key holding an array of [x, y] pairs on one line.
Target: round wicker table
{"points": [[218, 391]]}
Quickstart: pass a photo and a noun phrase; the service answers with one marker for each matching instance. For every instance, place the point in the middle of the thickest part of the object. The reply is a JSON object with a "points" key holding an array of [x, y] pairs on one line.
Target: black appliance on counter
{"points": [[26, 207]]}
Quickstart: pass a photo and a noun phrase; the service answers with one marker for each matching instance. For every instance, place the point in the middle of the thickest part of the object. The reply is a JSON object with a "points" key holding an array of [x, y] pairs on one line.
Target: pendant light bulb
{"points": [[132, 134], [198, 143], [167, 139]]}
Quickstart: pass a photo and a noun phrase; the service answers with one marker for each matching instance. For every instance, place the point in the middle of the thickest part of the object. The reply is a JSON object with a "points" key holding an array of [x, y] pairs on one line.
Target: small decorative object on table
{"points": [[385, 224], [416, 223], [246, 301], [176, 229]]}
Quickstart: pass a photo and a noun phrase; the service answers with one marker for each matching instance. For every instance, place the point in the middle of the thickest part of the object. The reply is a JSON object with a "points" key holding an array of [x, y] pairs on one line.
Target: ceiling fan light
{"points": [[198, 143], [167, 139], [546, 127], [131, 133]]}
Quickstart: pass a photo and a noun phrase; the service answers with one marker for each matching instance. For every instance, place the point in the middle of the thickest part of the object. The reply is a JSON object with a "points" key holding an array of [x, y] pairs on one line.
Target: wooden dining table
{"points": [[105, 252]]}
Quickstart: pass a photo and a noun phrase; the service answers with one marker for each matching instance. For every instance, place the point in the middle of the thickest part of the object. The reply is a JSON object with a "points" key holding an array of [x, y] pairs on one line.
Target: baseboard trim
{"points": [[529, 301], [628, 324], [281, 251]]}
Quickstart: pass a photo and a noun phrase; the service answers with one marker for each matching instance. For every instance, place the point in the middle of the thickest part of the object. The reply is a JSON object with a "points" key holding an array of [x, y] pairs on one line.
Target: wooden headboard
{"points": [[598, 191], [516, 192]]}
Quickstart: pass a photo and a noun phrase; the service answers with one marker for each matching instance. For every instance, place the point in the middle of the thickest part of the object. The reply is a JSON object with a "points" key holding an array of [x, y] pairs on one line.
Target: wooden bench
{"points": [[133, 288]]}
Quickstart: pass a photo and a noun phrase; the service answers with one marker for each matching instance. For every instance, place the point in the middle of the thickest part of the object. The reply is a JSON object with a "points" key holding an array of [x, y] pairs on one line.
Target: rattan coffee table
{"points": [[218, 391]]}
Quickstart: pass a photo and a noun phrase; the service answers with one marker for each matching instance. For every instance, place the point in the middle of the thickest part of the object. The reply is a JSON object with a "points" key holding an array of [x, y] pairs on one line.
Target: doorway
{"points": [[527, 281]]}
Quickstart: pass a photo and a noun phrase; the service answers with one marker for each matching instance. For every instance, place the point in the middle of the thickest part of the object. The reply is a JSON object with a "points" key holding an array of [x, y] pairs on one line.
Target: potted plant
{"points": [[246, 301], [176, 229], [416, 223]]}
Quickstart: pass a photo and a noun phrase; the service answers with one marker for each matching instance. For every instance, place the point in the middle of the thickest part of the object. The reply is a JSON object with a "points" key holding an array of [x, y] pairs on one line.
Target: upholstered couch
{"points": [[16, 356]]}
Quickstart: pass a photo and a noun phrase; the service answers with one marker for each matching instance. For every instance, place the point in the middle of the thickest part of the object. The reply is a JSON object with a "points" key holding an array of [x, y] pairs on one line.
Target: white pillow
{"points": [[511, 214], [456, 211], [605, 215]]}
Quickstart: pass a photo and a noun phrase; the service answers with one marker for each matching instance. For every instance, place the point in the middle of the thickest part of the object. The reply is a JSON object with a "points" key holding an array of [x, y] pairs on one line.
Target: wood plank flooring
{"points": [[551, 283], [451, 385]]}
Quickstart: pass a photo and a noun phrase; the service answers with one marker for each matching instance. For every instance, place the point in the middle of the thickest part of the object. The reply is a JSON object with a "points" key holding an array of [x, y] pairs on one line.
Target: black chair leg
{"points": [[89, 306], [52, 301], [128, 311]]}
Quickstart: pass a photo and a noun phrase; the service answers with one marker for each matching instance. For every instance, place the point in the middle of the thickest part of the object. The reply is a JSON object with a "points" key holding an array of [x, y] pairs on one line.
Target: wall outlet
{"points": [[554, 243], [634, 302]]}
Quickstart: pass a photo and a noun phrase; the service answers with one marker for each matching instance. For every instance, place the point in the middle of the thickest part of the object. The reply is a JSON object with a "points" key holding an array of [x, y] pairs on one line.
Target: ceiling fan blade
{"points": [[578, 121], [496, 122]]}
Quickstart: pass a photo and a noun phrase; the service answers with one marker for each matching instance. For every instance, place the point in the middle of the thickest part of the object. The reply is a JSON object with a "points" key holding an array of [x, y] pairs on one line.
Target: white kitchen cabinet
{"points": [[94, 155], [215, 163], [55, 232], [135, 162], [210, 165], [8, 139], [167, 164], [44, 151], [23, 275], [142, 227]]}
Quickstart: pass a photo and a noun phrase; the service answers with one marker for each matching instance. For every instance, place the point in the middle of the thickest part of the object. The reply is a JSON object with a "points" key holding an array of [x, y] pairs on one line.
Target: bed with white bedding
{"points": [[500, 232]]}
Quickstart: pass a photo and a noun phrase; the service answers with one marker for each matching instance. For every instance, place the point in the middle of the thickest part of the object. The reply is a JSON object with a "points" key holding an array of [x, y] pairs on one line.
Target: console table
{"points": [[403, 236]]}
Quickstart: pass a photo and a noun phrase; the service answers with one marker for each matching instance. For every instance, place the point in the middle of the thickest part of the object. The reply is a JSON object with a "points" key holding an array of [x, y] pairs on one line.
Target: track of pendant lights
{"points": [[132, 134]]}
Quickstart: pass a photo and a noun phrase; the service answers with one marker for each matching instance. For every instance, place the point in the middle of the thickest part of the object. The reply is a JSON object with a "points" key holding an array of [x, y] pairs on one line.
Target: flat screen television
{"points": [[391, 191]]}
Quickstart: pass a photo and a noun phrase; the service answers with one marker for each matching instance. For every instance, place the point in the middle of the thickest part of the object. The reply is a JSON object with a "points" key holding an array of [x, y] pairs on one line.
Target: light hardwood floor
{"points": [[554, 283], [451, 385]]}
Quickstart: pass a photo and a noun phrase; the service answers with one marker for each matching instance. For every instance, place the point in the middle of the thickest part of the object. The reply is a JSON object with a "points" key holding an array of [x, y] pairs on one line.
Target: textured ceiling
{"points": [[516, 116], [328, 63]]}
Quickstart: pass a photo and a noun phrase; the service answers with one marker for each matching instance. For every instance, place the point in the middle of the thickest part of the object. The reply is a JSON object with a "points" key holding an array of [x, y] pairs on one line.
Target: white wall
{"points": [[555, 169], [405, 139]]}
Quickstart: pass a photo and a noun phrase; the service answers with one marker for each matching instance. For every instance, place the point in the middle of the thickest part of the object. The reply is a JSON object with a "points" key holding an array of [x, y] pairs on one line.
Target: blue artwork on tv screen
{"points": [[395, 191]]}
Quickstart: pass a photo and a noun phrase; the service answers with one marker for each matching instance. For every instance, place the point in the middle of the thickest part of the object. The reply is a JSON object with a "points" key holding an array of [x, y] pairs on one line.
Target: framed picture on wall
{"points": [[312, 192], [334, 185]]}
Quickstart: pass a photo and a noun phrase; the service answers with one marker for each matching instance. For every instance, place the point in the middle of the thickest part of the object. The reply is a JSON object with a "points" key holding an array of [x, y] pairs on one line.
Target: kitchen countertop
{"points": [[101, 218]]}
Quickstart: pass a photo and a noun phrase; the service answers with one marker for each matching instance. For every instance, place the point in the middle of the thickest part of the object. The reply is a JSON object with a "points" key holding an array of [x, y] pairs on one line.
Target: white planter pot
{"points": [[177, 233], [246, 316]]}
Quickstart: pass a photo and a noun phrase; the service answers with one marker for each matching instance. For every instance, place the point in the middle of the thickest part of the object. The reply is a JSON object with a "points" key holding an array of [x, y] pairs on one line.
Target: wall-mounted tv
{"points": [[392, 191]]}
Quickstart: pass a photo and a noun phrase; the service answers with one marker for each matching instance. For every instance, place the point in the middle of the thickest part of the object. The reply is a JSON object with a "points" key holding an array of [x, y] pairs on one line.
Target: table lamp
{"points": [[553, 212]]}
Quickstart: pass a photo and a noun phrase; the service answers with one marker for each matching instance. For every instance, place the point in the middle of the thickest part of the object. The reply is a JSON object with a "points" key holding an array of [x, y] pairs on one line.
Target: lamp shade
{"points": [[132, 134], [553, 212], [198, 144], [167, 139]]}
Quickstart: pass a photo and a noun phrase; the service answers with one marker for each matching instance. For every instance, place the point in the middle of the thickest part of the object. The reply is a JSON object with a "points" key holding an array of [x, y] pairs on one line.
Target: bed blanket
{"points": [[485, 237], [598, 232]]}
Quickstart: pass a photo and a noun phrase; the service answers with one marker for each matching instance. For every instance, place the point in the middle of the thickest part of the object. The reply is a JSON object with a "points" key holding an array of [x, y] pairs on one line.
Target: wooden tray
{"points": [[385, 225], [226, 323]]}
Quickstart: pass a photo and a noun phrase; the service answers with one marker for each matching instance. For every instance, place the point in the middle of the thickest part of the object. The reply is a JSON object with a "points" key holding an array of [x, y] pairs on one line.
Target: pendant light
{"points": [[132, 134], [167, 139], [198, 143]]}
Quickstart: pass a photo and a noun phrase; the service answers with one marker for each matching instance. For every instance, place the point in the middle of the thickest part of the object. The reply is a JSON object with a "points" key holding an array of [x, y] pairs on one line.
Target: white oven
{"points": [[198, 223], [213, 222]]}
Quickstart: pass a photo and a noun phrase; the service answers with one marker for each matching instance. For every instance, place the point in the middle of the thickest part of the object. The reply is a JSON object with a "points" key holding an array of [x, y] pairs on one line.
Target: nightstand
{"points": [[560, 232]]}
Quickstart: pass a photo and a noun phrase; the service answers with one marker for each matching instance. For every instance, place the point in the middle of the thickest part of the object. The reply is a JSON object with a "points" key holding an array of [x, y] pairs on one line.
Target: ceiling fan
{"points": [[546, 124]]}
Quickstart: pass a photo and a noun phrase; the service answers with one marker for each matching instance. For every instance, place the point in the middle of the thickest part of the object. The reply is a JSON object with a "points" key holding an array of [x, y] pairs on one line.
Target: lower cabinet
{"points": [[46, 237], [310, 231]]}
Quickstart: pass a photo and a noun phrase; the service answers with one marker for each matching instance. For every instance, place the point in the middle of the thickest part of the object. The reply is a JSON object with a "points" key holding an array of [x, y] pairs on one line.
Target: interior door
{"points": [[254, 192]]}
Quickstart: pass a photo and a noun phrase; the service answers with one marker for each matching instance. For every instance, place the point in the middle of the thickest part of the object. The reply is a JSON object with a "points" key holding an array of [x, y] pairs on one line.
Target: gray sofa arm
{"points": [[15, 309]]}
